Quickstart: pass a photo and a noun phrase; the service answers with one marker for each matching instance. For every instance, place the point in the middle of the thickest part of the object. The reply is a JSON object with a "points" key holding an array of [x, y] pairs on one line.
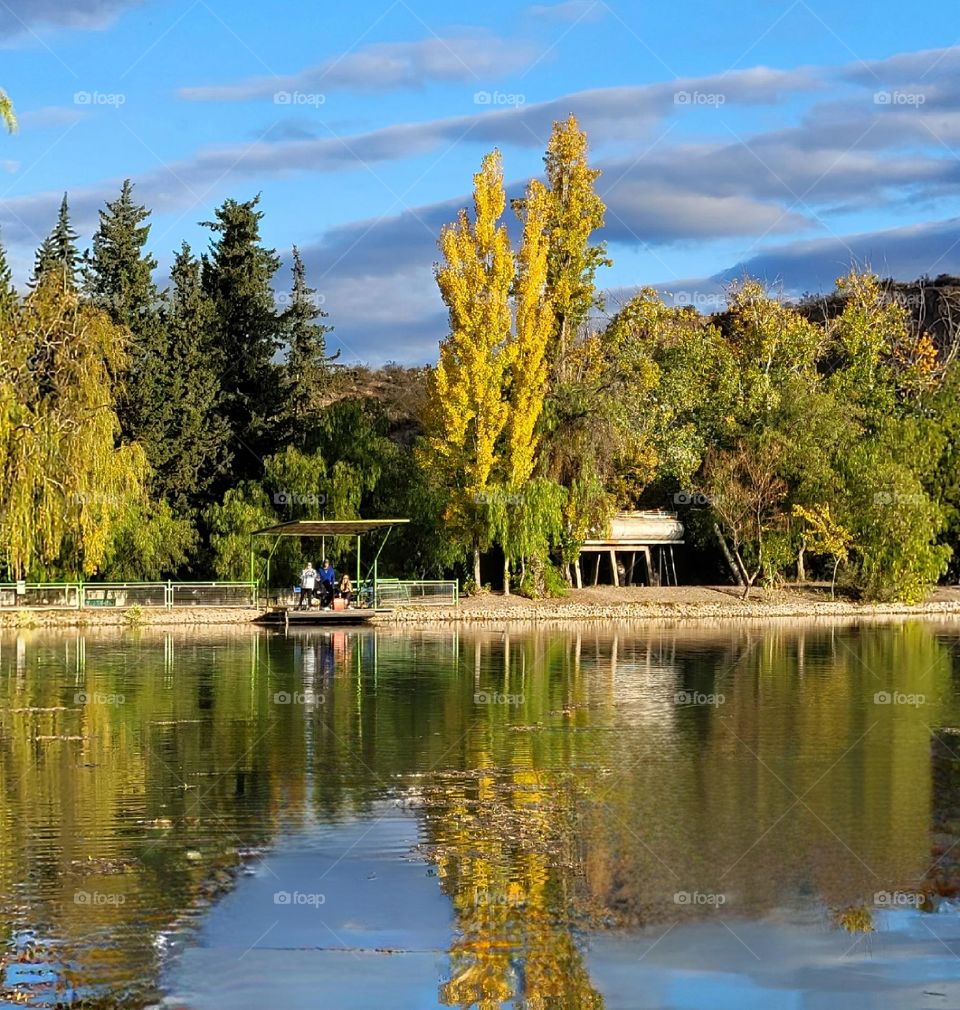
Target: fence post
{"points": [[169, 594]]}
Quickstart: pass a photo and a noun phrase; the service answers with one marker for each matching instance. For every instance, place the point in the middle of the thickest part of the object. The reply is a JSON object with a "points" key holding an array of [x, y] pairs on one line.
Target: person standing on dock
{"points": [[328, 582], [308, 579]]}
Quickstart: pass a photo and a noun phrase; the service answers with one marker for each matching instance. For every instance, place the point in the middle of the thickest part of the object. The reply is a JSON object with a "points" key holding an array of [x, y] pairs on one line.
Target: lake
{"points": [[619, 816]]}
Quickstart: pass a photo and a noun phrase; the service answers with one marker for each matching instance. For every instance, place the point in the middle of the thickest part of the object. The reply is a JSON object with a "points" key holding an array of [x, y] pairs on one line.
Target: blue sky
{"points": [[781, 139]]}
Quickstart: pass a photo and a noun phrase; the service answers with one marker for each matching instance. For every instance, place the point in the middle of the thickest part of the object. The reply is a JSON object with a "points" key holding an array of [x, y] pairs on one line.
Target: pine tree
{"points": [[118, 278], [237, 275], [118, 275], [9, 301], [307, 366], [58, 252], [194, 432]]}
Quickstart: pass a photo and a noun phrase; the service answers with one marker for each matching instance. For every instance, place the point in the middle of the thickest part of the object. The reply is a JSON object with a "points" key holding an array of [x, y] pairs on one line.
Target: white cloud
{"points": [[18, 17], [571, 10], [386, 66]]}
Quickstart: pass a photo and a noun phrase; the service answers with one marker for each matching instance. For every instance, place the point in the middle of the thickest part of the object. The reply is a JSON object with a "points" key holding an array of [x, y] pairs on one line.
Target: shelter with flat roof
{"points": [[629, 537], [320, 529]]}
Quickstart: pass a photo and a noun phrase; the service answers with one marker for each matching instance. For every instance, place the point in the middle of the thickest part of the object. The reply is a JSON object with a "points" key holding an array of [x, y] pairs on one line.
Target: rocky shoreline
{"points": [[600, 604]]}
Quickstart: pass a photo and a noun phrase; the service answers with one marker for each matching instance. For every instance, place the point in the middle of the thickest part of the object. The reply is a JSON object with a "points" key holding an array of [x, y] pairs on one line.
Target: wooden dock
{"points": [[287, 616]]}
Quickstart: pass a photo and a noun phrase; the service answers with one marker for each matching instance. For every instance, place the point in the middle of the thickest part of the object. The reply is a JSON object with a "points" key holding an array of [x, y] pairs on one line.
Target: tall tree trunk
{"points": [[476, 566], [578, 573], [506, 576], [735, 572], [833, 581], [801, 567]]}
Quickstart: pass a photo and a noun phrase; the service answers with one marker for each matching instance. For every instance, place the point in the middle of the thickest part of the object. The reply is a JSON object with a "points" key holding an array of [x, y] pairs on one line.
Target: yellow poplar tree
{"points": [[534, 324], [527, 380], [466, 408], [575, 212], [7, 116]]}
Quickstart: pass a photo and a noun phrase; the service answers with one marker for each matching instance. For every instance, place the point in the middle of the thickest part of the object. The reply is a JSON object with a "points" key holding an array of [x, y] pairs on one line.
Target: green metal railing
{"points": [[419, 592], [92, 595]]}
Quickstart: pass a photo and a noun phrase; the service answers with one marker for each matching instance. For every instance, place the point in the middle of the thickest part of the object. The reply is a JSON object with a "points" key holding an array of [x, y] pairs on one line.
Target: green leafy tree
{"points": [[826, 536]]}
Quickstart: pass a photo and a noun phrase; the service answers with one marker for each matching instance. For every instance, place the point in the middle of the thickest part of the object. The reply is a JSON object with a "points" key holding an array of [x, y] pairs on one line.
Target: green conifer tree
{"points": [[307, 366], [237, 274]]}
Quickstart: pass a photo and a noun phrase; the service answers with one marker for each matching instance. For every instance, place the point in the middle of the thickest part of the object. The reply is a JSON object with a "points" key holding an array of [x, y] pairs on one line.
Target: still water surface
{"points": [[615, 816]]}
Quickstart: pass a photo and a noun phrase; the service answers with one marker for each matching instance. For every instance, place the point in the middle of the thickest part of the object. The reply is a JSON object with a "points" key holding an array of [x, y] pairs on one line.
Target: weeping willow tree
{"points": [[7, 116], [71, 489]]}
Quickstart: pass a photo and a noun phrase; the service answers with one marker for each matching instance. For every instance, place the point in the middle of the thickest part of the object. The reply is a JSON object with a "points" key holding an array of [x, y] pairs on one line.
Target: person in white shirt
{"points": [[308, 581]]}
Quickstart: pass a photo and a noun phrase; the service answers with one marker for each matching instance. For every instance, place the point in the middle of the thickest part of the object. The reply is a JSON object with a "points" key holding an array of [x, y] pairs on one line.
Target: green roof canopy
{"points": [[327, 527]]}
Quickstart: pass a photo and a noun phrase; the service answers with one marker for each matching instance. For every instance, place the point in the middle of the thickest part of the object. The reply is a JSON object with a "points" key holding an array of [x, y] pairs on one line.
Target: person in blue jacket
{"points": [[328, 581]]}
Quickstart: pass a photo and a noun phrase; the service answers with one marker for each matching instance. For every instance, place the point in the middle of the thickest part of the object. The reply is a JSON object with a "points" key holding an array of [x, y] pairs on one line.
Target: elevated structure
{"points": [[631, 536]]}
